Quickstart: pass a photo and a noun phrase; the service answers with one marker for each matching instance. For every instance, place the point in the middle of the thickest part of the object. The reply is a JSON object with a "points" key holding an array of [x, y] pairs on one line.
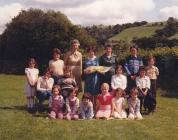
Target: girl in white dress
{"points": [[31, 80], [119, 105]]}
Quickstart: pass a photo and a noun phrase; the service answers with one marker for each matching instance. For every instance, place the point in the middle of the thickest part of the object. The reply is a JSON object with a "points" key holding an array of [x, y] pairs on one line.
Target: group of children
{"points": [[60, 88]]}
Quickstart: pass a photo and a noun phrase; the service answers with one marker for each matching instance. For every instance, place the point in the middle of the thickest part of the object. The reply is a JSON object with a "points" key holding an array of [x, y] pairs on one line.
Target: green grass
{"points": [[139, 32], [17, 124], [175, 36]]}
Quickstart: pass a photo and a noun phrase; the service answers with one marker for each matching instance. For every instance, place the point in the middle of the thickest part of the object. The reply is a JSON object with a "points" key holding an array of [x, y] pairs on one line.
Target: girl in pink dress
{"points": [[72, 106], [119, 105], [104, 103], [56, 103]]}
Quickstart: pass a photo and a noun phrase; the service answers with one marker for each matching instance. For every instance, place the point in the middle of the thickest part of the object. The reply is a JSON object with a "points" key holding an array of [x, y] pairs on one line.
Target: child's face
{"points": [[133, 95], [31, 65], [67, 73], [56, 91], [73, 94], [56, 56], [142, 73], [104, 89], [47, 75], [118, 93], [151, 62], [133, 51], [85, 101], [119, 71]]}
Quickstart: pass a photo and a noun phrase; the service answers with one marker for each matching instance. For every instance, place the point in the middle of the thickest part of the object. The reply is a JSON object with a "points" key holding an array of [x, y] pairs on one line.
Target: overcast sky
{"points": [[89, 12]]}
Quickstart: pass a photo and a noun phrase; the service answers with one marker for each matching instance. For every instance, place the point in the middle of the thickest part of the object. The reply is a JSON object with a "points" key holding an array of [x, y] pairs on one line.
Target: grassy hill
{"points": [[139, 32], [17, 124], [174, 36]]}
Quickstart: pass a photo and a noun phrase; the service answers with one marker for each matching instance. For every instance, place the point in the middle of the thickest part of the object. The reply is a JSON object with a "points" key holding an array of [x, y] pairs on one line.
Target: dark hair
{"points": [[134, 46], [47, 70], [91, 48], [121, 90], [134, 90], [108, 46], [32, 60], [56, 50], [86, 96], [119, 67], [56, 86], [142, 68]]}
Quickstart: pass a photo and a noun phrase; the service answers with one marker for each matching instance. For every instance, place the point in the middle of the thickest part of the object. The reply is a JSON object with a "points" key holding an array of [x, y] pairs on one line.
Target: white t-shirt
{"points": [[119, 82], [143, 82], [44, 85], [56, 67]]}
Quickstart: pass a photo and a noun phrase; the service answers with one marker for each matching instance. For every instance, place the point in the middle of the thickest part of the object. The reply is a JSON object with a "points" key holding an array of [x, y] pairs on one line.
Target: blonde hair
{"points": [[105, 85]]}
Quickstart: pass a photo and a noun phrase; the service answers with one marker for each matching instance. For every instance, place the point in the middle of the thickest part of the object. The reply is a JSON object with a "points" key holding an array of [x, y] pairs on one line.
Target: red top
{"points": [[105, 99]]}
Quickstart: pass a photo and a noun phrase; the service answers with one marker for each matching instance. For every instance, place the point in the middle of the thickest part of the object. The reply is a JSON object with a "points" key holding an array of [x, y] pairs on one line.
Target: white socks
{"points": [[30, 103]]}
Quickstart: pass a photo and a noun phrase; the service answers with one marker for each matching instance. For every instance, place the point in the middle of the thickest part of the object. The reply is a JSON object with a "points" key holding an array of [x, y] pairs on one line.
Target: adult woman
{"points": [[108, 60], [73, 58], [91, 78]]}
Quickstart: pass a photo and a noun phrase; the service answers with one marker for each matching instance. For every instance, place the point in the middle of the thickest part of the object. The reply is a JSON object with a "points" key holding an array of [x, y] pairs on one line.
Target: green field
{"points": [[17, 124], [138, 32]]}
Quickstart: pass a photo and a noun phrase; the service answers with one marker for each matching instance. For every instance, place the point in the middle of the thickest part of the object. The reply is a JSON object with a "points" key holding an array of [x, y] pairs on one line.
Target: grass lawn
{"points": [[17, 124], [139, 32]]}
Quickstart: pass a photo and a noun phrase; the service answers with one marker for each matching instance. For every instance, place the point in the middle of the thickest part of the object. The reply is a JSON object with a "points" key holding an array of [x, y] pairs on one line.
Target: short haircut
{"points": [[74, 41], [134, 46], [56, 50], [134, 90]]}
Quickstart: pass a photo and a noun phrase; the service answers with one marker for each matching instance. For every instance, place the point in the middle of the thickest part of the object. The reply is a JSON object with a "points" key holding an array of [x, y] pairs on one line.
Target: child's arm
{"points": [[112, 83], [157, 71], [68, 106], [131, 109], [113, 107], [29, 80], [82, 111], [137, 107], [49, 84], [50, 101], [76, 106]]}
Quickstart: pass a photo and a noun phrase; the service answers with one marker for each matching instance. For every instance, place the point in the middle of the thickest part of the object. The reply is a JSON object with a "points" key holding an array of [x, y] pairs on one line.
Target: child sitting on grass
{"points": [[134, 105], [86, 107], [119, 105], [56, 103], [72, 106], [104, 103]]}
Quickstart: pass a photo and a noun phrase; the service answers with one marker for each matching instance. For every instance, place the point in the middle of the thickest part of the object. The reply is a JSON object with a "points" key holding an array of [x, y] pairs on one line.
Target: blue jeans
{"points": [[43, 95]]}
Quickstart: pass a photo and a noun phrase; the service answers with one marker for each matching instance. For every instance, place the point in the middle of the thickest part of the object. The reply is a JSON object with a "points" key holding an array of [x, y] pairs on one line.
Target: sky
{"points": [[90, 12]]}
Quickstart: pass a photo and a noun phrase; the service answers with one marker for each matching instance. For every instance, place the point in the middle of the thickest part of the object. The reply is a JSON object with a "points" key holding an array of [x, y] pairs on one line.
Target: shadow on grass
{"points": [[35, 112]]}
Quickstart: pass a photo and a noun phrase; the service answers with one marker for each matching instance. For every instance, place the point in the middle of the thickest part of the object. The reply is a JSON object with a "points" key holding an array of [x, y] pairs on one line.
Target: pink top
{"points": [[105, 101]]}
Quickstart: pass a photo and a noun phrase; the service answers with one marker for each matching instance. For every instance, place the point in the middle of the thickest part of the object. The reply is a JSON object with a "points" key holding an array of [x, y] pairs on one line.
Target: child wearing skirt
{"points": [[56, 103], [134, 105], [104, 103], [119, 105]]}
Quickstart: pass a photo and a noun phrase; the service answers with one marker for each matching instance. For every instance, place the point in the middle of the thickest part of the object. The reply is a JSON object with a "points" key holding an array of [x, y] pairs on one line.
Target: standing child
{"points": [[86, 107], [119, 105], [56, 103], [132, 65], [72, 106], [134, 105], [118, 80], [145, 96], [152, 73], [104, 103], [30, 86], [67, 83], [56, 65]]}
